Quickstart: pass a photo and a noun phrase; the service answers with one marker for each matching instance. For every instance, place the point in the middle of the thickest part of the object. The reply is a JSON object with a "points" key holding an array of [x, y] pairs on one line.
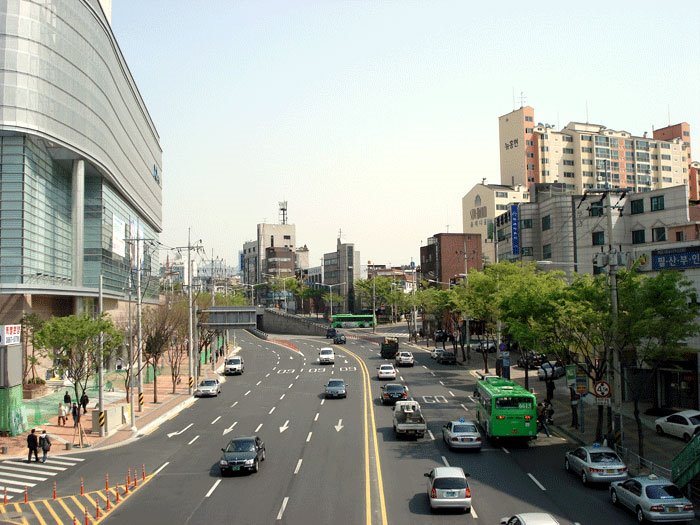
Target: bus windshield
{"points": [[514, 402]]}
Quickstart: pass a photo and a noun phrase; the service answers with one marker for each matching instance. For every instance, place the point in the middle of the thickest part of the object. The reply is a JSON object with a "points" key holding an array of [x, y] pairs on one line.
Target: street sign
{"points": [[581, 378], [10, 334], [605, 401], [602, 389], [570, 375]]}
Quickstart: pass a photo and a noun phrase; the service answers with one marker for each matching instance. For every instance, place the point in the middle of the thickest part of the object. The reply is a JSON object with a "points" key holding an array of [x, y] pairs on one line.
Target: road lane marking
{"points": [[443, 384], [425, 367], [282, 397], [297, 377], [258, 427], [285, 426], [322, 401], [505, 450], [216, 484], [248, 392], [267, 375], [234, 404], [536, 482], [161, 467], [22, 476], [308, 438], [444, 460], [171, 434], [216, 420], [271, 410], [451, 393], [432, 373], [465, 408], [290, 385], [296, 470], [193, 439], [473, 513], [431, 435], [274, 368], [258, 383], [316, 417], [284, 506]]}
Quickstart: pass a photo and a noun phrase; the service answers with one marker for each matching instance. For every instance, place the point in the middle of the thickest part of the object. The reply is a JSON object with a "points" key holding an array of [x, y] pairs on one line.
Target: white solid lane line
{"points": [[216, 420], [161, 467], [444, 460], [258, 427], [296, 470], [473, 513], [308, 438], [193, 440], [536, 482], [216, 484], [284, 506]]}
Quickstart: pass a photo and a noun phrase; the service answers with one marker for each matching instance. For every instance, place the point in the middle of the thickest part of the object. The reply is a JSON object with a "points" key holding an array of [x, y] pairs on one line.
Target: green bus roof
{"points": [[344, 316], [498, 386]]}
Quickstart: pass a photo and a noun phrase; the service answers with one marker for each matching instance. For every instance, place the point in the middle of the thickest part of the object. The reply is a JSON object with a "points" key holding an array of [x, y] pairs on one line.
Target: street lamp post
{"points": [[330, 288]]}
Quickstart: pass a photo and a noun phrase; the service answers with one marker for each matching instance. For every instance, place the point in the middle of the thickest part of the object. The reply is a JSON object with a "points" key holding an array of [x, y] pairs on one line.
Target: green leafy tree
{"points": [[31, 323]]}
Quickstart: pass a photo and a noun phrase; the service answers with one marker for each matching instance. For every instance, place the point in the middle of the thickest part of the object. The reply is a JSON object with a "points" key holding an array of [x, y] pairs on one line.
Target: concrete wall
{"points": [[274, 322]]}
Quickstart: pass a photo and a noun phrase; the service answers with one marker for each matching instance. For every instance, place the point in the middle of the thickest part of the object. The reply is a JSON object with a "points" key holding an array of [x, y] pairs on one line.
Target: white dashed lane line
{"points": [[296, 470], [257, 429], [316, 417], [282, 397], [234, 404], [284, 506], [451, 393], [465, 408], [216, 420], [271, 410], [193, 440], [308, 438], [431, 435], [444, 460], [443, 384], [248, 392], [323, 401], [258, 383], [536, 482], [216, 484]]}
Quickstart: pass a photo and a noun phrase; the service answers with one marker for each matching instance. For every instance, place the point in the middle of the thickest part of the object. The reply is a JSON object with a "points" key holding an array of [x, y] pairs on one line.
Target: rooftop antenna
{"points": [[522, 99], [586, 112], [513, 98], [283, 212], [668, 109]]}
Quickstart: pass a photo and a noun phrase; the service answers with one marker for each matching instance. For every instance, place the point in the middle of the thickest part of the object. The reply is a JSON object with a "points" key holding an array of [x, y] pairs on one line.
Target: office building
{"points": [[448, 257], [341, 269], [80, 163]]}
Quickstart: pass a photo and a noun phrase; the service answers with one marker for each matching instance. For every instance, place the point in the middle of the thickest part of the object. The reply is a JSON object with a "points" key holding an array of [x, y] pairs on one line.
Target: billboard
{"points": [[515, 228]]}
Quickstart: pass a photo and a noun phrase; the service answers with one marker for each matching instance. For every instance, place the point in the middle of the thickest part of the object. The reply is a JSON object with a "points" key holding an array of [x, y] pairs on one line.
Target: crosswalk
{"points": [[16, 474]]}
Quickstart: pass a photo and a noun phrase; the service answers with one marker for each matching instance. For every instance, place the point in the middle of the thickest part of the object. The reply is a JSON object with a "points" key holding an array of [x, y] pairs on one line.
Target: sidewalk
{"points": [[65, 438]]}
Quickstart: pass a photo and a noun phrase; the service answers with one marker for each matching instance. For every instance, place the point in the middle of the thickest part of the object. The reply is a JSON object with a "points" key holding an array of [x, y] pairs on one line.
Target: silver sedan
{"points": [[596, 464], [652, 499], [461, 434]]}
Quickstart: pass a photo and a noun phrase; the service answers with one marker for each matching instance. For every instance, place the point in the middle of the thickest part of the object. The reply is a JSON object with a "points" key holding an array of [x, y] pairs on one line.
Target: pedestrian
{"points": [[574, 406], [66, 398], [84, 400], [541, 419], [32, 445], [75, 412], [550, 389], [62, 414], [45, 444]]}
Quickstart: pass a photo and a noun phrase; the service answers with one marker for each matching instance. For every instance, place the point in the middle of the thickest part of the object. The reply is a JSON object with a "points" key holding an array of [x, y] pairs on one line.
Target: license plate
{"points": [[237, 467], [466, 440], [672, 509], [451, 494]]}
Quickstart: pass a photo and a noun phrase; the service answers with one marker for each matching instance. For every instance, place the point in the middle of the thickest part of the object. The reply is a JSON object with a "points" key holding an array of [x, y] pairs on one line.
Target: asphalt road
{"points": [[335, 461]]}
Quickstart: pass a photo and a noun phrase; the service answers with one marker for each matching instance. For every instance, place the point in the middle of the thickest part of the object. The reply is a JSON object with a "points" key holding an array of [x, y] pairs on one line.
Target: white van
{"points": [[326, 356]]}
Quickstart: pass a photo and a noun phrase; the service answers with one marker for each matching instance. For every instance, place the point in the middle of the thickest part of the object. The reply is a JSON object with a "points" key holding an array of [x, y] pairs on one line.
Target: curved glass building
{"points": [[80, 160]]}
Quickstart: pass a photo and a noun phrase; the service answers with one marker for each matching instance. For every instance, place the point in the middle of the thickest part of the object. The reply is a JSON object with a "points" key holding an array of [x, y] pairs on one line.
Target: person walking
{"points": [[62, 414], [574, 406], [75, 412], [541, 419], [550, 390], [32, 445], [66, 398], [84, 400], [45, 444]]}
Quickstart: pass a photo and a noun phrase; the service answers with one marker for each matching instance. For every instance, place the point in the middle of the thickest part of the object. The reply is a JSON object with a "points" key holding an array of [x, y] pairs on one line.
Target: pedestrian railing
{"points": [[686, 465], [639, 465]]}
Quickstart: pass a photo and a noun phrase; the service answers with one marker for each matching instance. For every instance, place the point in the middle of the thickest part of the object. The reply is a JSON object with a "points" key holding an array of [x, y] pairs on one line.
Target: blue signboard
{"points": [[515, 228], [676, 258]]}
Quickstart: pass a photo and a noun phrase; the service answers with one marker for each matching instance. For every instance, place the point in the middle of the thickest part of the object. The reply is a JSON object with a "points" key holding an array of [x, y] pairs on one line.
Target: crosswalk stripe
{"points": [[20, 476], [11, 489], [30, 471], [61, 462], [37, 466], [20, 483]]}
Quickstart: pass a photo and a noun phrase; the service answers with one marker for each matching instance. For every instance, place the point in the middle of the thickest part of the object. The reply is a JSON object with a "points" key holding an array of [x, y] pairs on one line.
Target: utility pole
{"points": [[100, 363], [132, 416], [139, 334], [190, 306], [213, 286]]}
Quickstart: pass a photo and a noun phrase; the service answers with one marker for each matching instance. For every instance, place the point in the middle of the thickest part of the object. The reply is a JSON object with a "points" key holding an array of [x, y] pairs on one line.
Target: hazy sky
{"points": [[375, 118]]}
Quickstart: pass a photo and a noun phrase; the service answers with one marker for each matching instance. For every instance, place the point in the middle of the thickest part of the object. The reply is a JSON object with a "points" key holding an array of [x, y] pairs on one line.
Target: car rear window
{"points": [[450, 483], [605, 457], [695, 420], [464, 428], [387, 367], [663, 492], [394, 388]]}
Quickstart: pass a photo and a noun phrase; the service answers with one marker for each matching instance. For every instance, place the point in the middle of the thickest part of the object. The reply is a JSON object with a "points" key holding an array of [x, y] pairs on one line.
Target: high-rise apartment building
{"points": [[585, 156]]}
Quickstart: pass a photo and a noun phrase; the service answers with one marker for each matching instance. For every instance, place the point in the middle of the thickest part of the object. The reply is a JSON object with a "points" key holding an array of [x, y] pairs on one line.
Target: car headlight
{"points": [[223, 463], [249, 462]]}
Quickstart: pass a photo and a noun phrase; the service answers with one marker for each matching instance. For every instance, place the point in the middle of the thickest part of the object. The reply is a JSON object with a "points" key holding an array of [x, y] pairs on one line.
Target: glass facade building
{"points": [[80, 159]]}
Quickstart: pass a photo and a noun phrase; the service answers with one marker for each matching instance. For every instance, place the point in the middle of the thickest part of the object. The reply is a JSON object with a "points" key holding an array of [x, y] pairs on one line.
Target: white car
{"points": [[530, 518], [208, 388], [386, 372], [234, 365], [404, 359], [326, 356], [435, 352], [461, 434], [683, 424], [448, 488]]}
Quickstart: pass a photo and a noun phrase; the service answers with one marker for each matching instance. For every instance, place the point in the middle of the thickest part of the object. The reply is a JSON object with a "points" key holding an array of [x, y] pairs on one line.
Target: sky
{"points": [[373, 119]]}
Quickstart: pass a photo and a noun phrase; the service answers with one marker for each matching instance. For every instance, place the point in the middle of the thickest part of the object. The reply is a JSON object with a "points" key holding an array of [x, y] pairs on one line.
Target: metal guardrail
{"points": [[639, 465]]}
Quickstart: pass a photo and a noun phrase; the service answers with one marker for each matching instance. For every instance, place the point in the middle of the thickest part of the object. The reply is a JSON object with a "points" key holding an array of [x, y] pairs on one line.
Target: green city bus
{"points": [[352, 321], [505, 409]]}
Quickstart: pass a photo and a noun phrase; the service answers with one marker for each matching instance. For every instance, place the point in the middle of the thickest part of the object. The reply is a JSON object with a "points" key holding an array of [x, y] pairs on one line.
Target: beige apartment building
{"points": [[584, 156]]}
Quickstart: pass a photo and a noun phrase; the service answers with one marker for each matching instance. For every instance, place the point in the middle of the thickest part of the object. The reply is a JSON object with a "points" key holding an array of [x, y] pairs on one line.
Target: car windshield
{"points": [[208, 382], [245, 445], [695, 420], [605, 457], [234, 361], [464, 428], [335, 383], [513, 402], [450, 483], [663, 492], [326, 352], [394, 388]]}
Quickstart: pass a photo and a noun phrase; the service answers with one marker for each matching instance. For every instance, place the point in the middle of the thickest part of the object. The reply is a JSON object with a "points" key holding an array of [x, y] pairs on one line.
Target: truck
{"points": [[389, 347], [408, 419]]}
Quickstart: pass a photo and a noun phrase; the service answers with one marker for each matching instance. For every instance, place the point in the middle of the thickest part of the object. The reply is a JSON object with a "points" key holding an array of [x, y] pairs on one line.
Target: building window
{"points": [[526, 251], [638, 237], [658, 234], [665, 145], [545, 173], [665, 168], [529, 142], [586, 150], [525, 224], [546, 222], [585, 137], [568, 162], [502, 194], [502, 207], [680, 236], [530, 155], [528, 118], [596, 209], [531, 166], [569, 174], [657, 203], [637, 206], [567, 138], [665, 157], [598, 238], [587, 173], [569, 151], [547, 251], [528, 130], [587, 162], [544, 148]]}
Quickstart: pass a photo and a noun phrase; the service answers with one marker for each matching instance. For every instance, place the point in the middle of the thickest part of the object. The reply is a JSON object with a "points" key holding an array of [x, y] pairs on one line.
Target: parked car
{"points": [[326, 356], [331, 333], [485, 346], [595, 464], [390, 393], [447, 358], [435, 352], [386, 372], [652, 499], [683, 424], [531, 360], [339, 339], [242, 453], [461, 434], [530, 518], [336, 388], [550, 370], [208, 388], [448, 488], [404, 358], [234, 365], [440, 336]]}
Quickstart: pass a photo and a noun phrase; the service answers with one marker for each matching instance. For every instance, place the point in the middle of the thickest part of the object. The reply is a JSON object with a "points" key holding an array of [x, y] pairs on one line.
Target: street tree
{"points": [[31, 354], [160, 324]]}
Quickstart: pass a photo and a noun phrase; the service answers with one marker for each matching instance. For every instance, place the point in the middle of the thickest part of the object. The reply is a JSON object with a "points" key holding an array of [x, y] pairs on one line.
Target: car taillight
{"points": [[500, 417], [386, 395], [595, 470], [433, 493], [478, 439], [404, 395], [688, 507], [468, 493], [455, 439], [656, 508]]}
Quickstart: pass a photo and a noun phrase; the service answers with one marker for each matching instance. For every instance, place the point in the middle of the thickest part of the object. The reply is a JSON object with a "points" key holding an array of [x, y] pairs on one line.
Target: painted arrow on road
{"points": [[339, 426], [285, 427], [229, 429], [171, 434]]}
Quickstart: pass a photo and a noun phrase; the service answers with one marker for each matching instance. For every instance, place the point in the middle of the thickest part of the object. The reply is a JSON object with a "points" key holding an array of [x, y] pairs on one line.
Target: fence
{"points": [[641, 466]]}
